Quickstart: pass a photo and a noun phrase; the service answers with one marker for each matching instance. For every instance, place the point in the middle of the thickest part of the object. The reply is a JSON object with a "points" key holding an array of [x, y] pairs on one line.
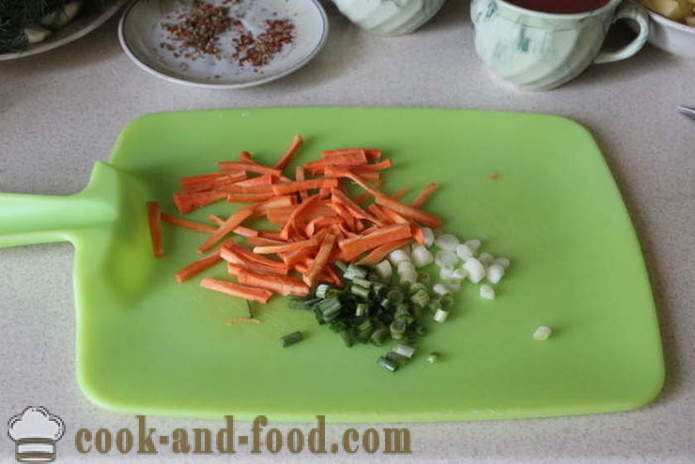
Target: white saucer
{"points": [[141, 35]]}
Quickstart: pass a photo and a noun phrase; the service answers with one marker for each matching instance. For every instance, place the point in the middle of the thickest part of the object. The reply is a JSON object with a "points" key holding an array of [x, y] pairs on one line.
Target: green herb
{"points": [[291, 339]]}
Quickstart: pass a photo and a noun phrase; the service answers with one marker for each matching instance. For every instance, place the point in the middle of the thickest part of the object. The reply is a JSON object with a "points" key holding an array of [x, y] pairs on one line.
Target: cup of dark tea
{"points": [[542, 44]]}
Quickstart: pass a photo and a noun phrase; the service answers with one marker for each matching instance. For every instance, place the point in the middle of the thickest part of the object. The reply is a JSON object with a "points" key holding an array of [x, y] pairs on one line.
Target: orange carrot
{"points": [[378, 211], [344, 214], [260, 295], [229, 225], [275, 202], [297, 186], [279, 215], [394, 216], [248, 197], [262, 241], [285, 248], [185, 223], [207, 181], [154, 220], [321, 260], [351, 248], [240, 230], [283, 285], [245, 156], [188, 201], [400, 193], [356, 158], [247, 166], [293, 257], [265, 179], [387, 163], [354, 209], [424, 195], [299, 175], [290, 225], [362, 198], [289, 154], [198, 266], [310, 229], [371, 153], [378, 254], [248, 256], [271, 234]]}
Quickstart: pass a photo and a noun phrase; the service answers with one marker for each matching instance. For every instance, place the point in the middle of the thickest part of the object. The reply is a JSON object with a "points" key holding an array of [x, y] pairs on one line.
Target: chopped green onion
{"points": [[404, 350], [385, 302], [395, 296], [353, 272], [379, 336], [397, 358], [359, 291], [447, 301], [420, 298], [362, 282], [361, 309], [387, 364], [377, 287], [424, 278], [397, 329], [291, 339], [432, 357], [321, 290], [249, 309], [341, 265]]}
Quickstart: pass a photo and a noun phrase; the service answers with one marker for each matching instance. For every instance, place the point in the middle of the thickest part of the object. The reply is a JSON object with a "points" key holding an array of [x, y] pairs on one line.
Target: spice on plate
{"points": [[199, 28], [261, 49]]}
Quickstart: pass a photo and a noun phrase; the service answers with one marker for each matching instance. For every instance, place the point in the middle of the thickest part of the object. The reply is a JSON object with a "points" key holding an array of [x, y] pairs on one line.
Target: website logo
{"points": [[35, 432]]}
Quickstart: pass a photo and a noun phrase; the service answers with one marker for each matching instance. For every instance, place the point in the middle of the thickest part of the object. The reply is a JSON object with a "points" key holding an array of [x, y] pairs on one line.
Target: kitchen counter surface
{"points": [[60, 112]]}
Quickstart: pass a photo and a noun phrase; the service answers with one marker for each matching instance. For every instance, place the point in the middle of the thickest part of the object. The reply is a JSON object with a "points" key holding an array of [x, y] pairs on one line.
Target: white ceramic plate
{"points": [[80, 27], [141, 35], [668, 35]]}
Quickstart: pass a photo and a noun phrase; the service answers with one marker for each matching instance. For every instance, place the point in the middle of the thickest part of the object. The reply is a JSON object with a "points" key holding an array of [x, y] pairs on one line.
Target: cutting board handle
{"points": [[30, 219]]}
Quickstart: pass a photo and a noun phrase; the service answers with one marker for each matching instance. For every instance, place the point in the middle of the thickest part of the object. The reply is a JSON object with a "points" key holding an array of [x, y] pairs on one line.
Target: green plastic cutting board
{"points": [[148, 345]]}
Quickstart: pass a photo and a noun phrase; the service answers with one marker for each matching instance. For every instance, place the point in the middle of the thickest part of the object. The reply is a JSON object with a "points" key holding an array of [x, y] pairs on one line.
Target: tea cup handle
{"points": [[630, 11]]}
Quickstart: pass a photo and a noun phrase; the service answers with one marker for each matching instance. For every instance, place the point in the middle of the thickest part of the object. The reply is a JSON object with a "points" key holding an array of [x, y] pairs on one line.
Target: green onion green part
{"points": [[291, 339]]}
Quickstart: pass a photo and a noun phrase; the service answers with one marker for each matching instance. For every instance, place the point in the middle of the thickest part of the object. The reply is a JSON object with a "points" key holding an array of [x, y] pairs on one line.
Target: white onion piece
{"points": [[473, 245], [447, 242], [446, 259], [446, 273], [441, 289], [405, 266], [440, 315], [398, 256], [504, 262], [487, 292], [486, 259], [464, 252], [453, 285], [429, 236], [421, 256], [384, 269], [459, 274], [542, 333], [494, 273], [475, 269]]}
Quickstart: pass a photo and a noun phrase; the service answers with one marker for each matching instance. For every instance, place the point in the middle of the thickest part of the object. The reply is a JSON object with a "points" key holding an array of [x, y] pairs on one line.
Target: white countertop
{"points": [[60, 112]]}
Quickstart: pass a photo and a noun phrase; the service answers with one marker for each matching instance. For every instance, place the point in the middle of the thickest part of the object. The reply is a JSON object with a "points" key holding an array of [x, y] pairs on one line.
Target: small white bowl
{"points": [[140, 33], [671, 36]]}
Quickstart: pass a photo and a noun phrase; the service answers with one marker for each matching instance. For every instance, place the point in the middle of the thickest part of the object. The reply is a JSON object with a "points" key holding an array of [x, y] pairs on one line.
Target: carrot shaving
{"points": [[154, 218], [289, 154], [321, 260], [378, 254], [352, 207], [247, 292], [283, 285], [400, 193], [351, 248], [229, 225], [245, 156], [300, 185], [247, 166], [371, 153], [188, 201], [424, 195], [198, 266], [299, 176]]}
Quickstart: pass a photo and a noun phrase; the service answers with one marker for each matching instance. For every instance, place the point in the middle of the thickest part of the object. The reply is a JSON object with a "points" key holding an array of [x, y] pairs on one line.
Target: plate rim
{"points": [[123, 40]]}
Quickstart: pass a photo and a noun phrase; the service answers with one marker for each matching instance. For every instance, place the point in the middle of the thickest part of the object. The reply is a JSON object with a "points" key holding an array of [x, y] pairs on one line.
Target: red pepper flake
{"points": [[199, 28], [260, 50]]}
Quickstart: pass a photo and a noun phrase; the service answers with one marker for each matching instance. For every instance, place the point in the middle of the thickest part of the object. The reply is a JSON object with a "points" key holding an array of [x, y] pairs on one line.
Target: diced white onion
{"points": [[447, 242], [441, 315], [398, 256], [487, 292], [459, 274], [494, 273], [446, 259], [541, 333], [486, 259], [464, 252], [429, 236], [446, 273], [404, 350], [504, 262], [475, 269], [453, 285], [405, 267], [421, 256], [384, 269], [408, 277], [441, 289], [473, 245]]}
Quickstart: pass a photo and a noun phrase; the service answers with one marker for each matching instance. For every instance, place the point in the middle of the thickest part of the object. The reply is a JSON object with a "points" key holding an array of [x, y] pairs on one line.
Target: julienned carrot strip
{"points": [[380, 166], [285, 248], [233, 268], [234, 189], [208, 181], [290, 225], [293, 257], [229, 225], [356, 158], [265, 179], [344, 214], [400, 193], [351, 248], [247, 166], [418, 234], [218, 221], [378, 211], [260, 295], [352, 207], [299, 175], [238, 260], [283, 285], [279, 215], [245, 156], [371, 153], [185, 223], [275, 202], [378, 254], [271, 234], [310, 228], [188, 201], [240, 230], [424, 195], [262, 241], [362, 198], [321, 260], [394, 216], [289, 154], [331, 276], [198, 266], [249, 256], [248, 197], [297, 186], [154, 218]]}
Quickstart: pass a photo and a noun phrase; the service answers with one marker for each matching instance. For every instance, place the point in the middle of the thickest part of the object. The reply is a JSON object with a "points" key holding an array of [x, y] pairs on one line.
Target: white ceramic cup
{"points": [[541, 51]]}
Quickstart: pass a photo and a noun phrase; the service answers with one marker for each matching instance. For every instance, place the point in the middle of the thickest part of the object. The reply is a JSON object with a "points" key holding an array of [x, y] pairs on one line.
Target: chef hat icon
{"points": [[35, 432]]}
